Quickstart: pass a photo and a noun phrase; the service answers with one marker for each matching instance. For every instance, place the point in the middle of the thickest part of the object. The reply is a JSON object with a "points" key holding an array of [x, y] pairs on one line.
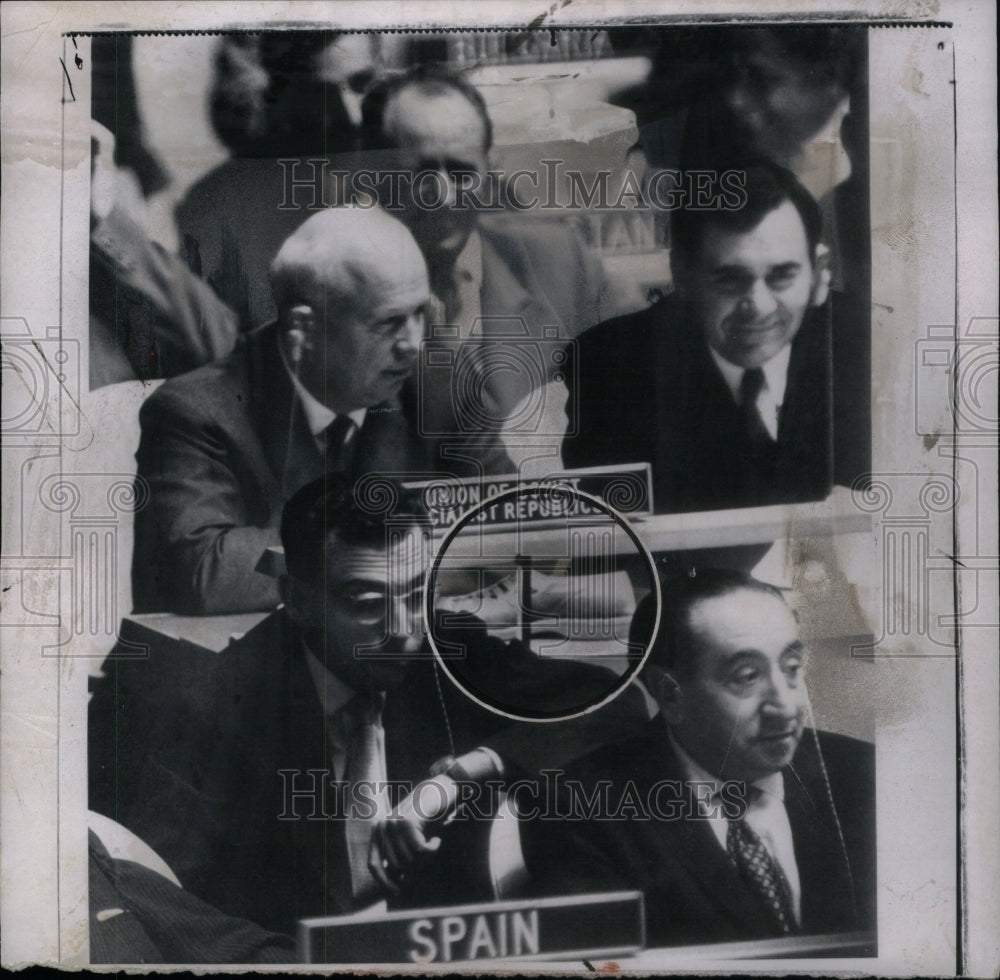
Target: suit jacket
{"points": [[221, 449], [694, 894], [157, 922], [645, 388], [149, 316], [541, 287], [202, 758]]}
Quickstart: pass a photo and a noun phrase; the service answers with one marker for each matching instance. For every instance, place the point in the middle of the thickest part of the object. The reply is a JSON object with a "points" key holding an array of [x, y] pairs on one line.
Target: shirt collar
{"points": [[318, 416], [469, 264], [775, 373], [772, 785], [333, 692]]}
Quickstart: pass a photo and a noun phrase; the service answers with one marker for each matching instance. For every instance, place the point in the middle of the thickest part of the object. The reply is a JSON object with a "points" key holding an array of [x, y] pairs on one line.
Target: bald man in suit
{"points": [[325, 387]]}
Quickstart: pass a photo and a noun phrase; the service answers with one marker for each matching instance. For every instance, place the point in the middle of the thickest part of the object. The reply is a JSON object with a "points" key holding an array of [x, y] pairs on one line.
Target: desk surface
{"points": [[213, 634], [715, 956], [663, 533]]}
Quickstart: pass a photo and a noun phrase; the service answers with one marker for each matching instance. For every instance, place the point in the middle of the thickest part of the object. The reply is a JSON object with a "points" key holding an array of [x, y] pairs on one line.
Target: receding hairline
{"points": [[722, 230], [435, 88], [339, 251], [337, 541], [684, 665]]}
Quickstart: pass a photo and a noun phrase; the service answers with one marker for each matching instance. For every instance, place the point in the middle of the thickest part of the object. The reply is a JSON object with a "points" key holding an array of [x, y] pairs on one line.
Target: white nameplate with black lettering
{"points": [[626, 489], [608, 924]]}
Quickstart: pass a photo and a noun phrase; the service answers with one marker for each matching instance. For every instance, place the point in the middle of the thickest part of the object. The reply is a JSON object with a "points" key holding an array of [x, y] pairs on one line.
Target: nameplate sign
{"points": [[543, 502], [583, 926]]}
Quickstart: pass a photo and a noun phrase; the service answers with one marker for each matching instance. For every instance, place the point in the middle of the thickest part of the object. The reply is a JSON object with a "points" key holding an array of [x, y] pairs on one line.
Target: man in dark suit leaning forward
{"points": [[724, 386], [327, 387], [736, 820], [279, 755]]}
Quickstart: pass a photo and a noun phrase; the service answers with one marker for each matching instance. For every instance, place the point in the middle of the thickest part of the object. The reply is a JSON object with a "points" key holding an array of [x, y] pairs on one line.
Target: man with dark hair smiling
{"points": [[772, 828], [724, 386]]}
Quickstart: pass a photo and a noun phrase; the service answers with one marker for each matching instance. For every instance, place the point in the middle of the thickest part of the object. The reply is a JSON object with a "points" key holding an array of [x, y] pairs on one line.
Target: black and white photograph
{"points": [[487, 494]]}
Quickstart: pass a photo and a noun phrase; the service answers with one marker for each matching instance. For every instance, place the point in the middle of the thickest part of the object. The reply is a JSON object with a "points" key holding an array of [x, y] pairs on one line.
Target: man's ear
{"points": [[294, 595], [679, 276], [668, 695], [821, 276], [300, 337]]}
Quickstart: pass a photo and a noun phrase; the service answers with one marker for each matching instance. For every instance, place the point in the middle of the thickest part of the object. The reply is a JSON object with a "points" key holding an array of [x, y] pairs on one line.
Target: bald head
{"points": [[338, 254], [353, 283]]}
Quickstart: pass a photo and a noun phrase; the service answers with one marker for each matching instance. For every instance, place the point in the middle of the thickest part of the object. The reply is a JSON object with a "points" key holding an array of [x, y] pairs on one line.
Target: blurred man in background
{"points": [[493, 278], [282, 102]]}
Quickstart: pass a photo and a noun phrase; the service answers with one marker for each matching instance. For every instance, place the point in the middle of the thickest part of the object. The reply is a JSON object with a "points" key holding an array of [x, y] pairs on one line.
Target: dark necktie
{"points": [[437, 401], [761, 873], [750, 388], [340, 440]]}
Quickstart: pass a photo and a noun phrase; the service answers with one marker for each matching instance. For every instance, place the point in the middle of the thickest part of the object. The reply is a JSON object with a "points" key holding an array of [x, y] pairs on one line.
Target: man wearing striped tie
{"points": [[736, 819]]}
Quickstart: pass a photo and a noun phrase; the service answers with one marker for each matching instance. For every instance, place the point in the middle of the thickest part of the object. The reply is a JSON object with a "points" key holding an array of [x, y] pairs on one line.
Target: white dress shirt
{"points": [[467, 279], [766, 816], [772, 394], [334, 694], [318, 417]]}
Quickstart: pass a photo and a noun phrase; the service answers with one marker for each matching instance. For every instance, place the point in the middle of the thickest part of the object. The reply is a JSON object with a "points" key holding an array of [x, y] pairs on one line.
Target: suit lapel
{"points": [[827, 899], [805, 432], [827, 903], [510, 288], [289, 447], [702, 452], [695, 451], [693, 845], [317, 847], [387, 442]]}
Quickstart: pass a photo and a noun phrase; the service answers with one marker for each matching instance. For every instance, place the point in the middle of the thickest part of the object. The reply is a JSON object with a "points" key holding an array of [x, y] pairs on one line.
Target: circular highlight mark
{"points": [[545, 647]]}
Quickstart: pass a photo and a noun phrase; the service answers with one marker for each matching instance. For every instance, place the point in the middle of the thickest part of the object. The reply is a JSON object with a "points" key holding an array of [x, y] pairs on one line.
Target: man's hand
{"points": [[406, 836], [111, 186]]}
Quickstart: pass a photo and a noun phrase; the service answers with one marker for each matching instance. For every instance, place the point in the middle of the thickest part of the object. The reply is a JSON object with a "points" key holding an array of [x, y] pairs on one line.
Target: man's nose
{"points": [[352, 103], [449, 190], [407, 624], [843, 166], [784, 696], [759, 302], [407, 343]]}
